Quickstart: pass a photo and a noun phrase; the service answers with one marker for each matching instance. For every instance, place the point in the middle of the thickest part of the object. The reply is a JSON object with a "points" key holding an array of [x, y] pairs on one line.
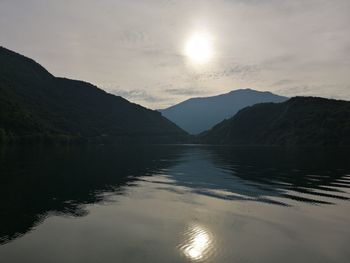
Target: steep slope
{"points": [[298, 121], [35, 104], [199, 114]]}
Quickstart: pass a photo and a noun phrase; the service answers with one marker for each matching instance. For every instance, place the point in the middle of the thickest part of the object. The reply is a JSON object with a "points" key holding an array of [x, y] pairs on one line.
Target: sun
{"points": [[198, 48]]}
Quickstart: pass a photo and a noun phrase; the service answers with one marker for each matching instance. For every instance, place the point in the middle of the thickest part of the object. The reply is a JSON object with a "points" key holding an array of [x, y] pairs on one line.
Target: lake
{"points": [[167, 203]]}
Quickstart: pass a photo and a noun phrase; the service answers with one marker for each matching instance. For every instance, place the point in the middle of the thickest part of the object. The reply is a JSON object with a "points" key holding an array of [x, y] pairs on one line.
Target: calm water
{"points": [[174, 204]]}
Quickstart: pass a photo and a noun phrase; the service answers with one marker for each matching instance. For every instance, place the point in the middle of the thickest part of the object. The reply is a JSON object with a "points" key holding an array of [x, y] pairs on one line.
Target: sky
{"points": [[139, 48]]}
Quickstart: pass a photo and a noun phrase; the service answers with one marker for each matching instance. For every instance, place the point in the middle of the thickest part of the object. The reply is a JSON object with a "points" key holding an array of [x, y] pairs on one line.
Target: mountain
{"points": [[307, 121], [35, 105], [199, 114]]}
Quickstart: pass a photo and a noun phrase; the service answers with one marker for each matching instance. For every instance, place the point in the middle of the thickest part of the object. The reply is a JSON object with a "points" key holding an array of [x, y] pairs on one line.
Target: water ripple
{"points": [[198, 243]]}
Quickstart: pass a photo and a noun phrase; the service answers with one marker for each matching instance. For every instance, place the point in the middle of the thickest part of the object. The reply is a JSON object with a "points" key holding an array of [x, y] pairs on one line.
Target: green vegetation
{"points": [[197, 115], [36, 106], [299, 121]]}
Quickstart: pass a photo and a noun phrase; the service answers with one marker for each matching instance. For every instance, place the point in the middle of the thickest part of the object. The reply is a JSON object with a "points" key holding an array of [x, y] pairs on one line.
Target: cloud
{"points": [[131, 37], [237, 71], [291, 46], [187, 91], [282, 82], [324, 90], [136, 95]]}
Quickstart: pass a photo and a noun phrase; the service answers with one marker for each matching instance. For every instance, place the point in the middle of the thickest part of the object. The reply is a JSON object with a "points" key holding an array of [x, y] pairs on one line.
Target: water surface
{"points": [[174, 204]]}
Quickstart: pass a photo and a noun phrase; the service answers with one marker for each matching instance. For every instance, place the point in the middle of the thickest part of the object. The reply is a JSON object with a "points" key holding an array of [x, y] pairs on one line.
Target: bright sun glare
{"points": [[197, 244], [198, 48]]}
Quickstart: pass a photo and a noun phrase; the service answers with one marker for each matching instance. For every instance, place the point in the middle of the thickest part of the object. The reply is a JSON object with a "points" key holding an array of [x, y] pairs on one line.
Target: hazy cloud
{"points": [[282, 82], [291, 47], [135, 95], [188, 91]]}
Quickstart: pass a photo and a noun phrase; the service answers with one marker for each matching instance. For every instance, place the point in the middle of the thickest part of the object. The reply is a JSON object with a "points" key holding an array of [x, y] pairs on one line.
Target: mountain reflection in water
{"points": [[184, 203]]}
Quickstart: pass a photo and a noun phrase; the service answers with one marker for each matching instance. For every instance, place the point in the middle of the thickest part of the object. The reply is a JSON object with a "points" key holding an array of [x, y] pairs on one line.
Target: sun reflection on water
{"points": [[197, 243]]}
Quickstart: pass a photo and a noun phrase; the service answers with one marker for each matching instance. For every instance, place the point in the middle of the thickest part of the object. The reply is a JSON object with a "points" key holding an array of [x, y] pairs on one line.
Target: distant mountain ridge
{"points": [[300, 121], [36, 105], [196, 115]]}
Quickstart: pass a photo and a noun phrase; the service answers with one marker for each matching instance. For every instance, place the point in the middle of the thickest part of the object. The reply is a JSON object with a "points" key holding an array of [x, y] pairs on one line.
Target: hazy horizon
{"points": [[143, 50]]}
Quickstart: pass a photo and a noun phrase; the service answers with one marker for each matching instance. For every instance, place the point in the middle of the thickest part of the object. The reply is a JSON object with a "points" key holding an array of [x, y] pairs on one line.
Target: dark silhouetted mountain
{"points": [[36, 105], [302, 121], [199, 114]]}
